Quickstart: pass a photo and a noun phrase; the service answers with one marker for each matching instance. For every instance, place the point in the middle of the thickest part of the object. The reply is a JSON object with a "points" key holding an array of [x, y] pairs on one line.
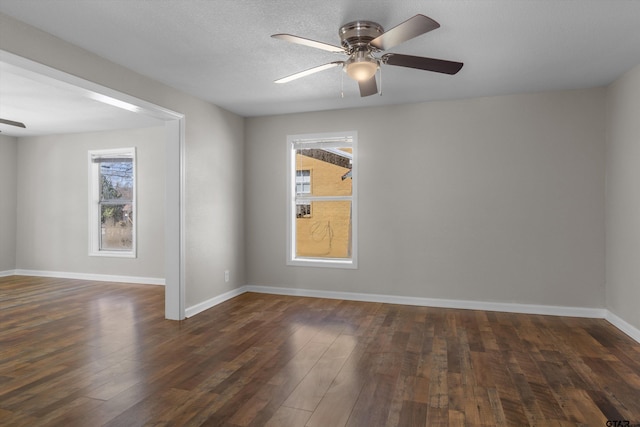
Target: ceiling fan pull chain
{"points": [[380, 78], [342, 85]]}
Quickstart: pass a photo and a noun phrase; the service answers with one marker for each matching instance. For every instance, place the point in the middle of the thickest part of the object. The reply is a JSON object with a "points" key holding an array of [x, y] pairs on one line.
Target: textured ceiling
{"points": [[221, 50]]}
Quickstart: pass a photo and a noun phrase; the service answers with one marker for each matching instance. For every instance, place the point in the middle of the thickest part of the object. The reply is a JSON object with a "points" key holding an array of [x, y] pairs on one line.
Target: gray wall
{"points": [[53, 188], [214, 145], [492, 199], [623, 197], [8, 194]]}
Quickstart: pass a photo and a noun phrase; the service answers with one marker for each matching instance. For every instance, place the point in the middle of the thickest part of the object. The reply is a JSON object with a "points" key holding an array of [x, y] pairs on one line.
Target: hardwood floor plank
{"points": [[300, 365], [373, 404], [439, 417], [496, 407], [513, 411], [587, 411], [315, 384], [438, 390], [457, 392], [483, 405], [481, 369], [337, 403], [546, 401], [75, 352], [605, 406], [416, 389], [161, 408], [289, 417], [413, 414]]}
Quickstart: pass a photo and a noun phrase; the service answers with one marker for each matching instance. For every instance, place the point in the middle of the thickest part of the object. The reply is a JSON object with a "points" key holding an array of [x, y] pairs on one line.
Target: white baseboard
{"points": [[551, 310], [7, 273], [90, 276], [625, 327], [205, 305]]}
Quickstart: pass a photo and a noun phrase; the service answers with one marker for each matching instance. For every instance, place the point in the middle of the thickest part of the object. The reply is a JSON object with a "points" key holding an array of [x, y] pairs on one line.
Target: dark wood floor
{"points": [[76, 353]]}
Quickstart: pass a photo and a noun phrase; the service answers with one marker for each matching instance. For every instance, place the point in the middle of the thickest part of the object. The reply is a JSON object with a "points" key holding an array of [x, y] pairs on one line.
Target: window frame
{"points": [[95, 223], [337, 140]]}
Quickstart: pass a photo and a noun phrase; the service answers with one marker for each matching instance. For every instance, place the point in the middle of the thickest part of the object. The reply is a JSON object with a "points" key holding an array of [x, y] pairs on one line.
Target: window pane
{"points": [[327, 234], [303, 181], [331, 171], [303, 210], [116, 227], [116, 180]]}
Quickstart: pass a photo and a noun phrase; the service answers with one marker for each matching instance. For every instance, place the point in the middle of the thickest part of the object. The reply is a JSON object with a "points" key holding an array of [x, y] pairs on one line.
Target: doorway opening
{"points": [[174, 167]]}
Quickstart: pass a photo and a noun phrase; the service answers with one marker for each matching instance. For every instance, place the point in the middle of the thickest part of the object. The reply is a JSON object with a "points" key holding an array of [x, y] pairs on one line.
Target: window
{"points": [[303, 186], [322, 203], [303, 210], [112, 203], [303, 181]]}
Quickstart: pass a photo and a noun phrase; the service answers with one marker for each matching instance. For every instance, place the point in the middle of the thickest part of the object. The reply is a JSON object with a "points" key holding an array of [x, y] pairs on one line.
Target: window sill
{"points": [[113, 254], [323, 262]]}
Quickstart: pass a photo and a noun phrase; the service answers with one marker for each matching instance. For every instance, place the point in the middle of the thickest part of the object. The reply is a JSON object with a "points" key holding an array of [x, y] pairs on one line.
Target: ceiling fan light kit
{"points": [[360, 66], [363, 41]]}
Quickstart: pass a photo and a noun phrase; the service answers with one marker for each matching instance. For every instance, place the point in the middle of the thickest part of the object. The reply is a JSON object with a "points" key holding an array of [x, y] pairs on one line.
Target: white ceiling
{"points": [[48, 106], [221, 50]]}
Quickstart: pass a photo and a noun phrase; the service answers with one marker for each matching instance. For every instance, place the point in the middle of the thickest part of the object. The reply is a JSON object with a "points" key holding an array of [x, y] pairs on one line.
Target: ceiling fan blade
{"points": [[308, 42], [412, 27], [12, 123], [309, 72], [422, 63], [368, 87]]}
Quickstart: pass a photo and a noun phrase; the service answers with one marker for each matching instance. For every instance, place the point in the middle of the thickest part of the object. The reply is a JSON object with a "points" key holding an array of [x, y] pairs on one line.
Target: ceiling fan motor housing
{"points": [[356, 35]]}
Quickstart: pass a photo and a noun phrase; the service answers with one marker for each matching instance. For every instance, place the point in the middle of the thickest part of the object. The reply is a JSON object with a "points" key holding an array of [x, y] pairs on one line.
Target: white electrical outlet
{"points": [[226, 275]]}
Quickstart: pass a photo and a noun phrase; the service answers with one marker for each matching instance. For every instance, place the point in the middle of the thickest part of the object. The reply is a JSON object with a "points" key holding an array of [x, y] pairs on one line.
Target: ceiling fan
{"points": [[12, 123], [364, 41]]}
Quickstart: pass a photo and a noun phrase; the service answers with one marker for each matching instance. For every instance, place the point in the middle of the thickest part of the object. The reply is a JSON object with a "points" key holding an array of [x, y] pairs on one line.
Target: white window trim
{"points": [[336, 139], [94, 206]]}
